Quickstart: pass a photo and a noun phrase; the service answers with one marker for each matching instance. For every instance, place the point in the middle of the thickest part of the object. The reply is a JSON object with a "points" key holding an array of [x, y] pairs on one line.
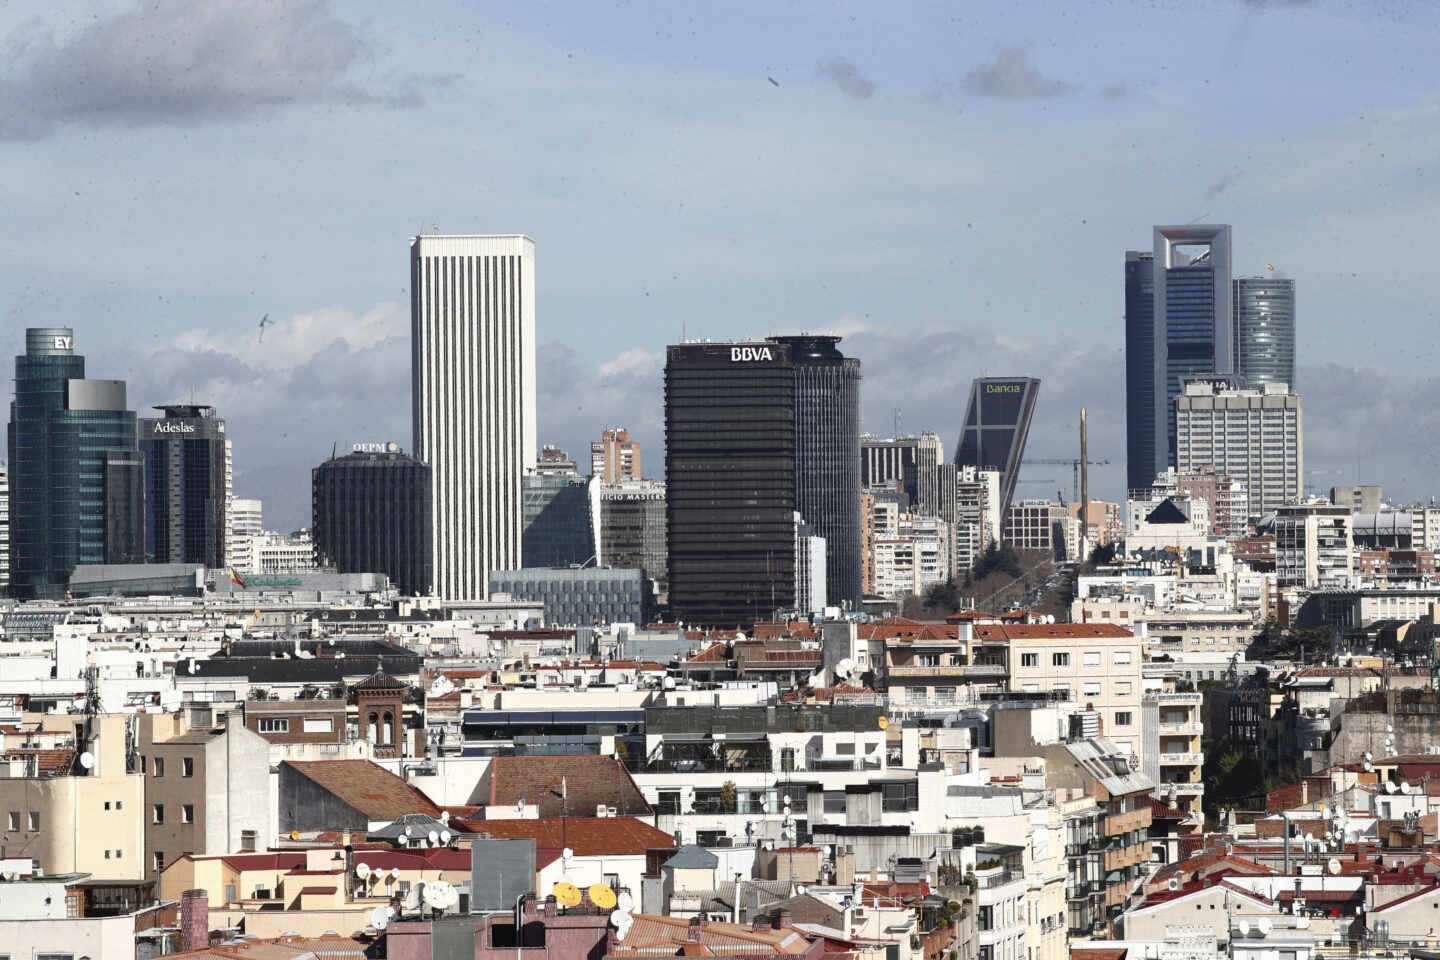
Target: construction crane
{"points": [[1073, 463]]}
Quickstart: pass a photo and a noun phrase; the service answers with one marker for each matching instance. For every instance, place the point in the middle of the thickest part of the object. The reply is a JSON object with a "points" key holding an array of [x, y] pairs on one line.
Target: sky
{"points": [[951, 187]]}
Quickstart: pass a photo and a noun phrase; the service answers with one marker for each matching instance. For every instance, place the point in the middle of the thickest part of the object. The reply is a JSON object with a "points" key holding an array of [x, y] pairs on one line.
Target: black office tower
{"points": [[187, 480], [1143, 457], [371, 514], [756, 433]]}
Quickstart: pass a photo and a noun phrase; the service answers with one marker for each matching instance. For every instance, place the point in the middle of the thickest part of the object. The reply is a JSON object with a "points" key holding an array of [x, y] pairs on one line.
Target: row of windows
{"points": [[1091, 658], [187, 813]]}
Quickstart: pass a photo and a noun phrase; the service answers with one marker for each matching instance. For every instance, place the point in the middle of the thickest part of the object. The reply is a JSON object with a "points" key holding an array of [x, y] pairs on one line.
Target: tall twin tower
{"points": [[1185, 316]]}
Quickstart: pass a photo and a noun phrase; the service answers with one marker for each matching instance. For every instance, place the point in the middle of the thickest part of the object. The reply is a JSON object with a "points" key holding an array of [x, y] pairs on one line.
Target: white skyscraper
{"points": [[472, 309]]}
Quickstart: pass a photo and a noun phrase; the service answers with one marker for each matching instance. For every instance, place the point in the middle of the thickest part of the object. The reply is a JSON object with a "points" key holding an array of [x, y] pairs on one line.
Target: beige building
{"points": [[63, 816], [1096, 665], [1173, 757], [207, 789], [615, 457]]}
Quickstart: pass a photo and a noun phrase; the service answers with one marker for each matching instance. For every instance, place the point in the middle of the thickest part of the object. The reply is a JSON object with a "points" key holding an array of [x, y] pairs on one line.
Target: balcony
{"points": [[1181, 789], [1192, 699], [1133, 855], [1125, 822], [1188, 728], [1186, 759], [952, 671]]}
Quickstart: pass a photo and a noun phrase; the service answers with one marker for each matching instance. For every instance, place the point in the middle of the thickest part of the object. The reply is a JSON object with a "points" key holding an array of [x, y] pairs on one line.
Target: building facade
{"points": [[632, 530], [1265, 331], [371, 514], [615, 458], [77, 487], [757, 431], [579, 597], [1143, 459], [187, 485], [997, 423], [1042, 525], [557, 526], [473, 386], [1313, 545], [1254, 436], [913, 463]]}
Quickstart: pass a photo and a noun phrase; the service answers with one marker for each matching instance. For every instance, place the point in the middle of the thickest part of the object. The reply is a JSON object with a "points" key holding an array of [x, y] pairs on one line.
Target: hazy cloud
{"points": [[1011, 76], [1115, 91], [846, 76], [179, 62]]}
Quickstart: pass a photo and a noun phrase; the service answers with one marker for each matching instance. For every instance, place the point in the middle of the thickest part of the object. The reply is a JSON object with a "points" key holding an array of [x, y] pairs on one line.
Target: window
{"points": [[187, 813], [187, 766], [159, 860], [1029, 659], [787, 759], [158, 814], [119, 854], [1122, 718], [34, 819], [1092, 689], [119, 804], [900, 797], [1122, 688], [107, 804], [229, 893], [1122, 658], [247, 841], [319, 725], [274, 725], [159, 768], [1091, 658], [107, 854], [14, 819], [1060, 660], [834, 801]]}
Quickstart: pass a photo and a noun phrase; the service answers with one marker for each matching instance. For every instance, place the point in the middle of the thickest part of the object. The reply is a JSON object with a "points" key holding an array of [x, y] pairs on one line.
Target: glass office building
{"points": [[1143, 457], [997, 423], [77, 482], [370, 512], [1265, 331], [557, 523], [187, 485]]}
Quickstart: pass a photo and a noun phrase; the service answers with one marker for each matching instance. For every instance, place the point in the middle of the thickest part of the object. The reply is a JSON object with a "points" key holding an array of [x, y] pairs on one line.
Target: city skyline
{"points": [[1328, 190]]}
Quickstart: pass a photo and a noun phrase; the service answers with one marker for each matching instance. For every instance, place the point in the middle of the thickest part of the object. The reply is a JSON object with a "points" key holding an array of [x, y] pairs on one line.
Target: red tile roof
{"points": [[1050, 631], [318, 890], [587, 836], [48, 763], [669, 936], [588, 781], [368, 787]]}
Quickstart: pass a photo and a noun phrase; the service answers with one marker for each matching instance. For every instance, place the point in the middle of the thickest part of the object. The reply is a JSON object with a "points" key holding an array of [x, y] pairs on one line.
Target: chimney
{"points": [[692, 933], [782, 920], [194, 920]]}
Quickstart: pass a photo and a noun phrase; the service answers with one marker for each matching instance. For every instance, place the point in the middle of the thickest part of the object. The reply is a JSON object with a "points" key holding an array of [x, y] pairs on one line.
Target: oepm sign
{"points": [[744, 354], [64, 343]]}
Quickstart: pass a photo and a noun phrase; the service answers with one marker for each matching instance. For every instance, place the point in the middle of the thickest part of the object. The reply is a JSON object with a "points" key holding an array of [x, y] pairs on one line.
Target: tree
{"points": [[727, 797]]}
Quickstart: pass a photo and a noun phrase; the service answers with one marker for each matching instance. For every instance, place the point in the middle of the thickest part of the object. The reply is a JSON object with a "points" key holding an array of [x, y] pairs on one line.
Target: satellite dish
{"points": [[1333, 865], [294, 834], [1309, 838], [1174, 884], [87, 760], [1265, 926], [380, 918], [1244, 927], [602, 896], [434, 837], [362, 870], [1389, 786], [1404, 786], [845, 669], [882, 723], [566, 894], [394, 873], [567, 854], [1369, 767], [445, 838], [624, 901]]}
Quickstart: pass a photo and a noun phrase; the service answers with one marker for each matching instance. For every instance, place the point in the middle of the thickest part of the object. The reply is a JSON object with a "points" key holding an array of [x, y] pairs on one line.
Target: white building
{"points": [[977, 501], [271, 552], [916, 558], [809, 571], [245, 521], [1256, 436], [1313, 545], [473, 396]]}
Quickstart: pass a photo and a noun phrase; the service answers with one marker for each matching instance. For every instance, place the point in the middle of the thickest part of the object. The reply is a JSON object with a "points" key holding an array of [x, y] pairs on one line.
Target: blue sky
{"points": [[951, 186]]}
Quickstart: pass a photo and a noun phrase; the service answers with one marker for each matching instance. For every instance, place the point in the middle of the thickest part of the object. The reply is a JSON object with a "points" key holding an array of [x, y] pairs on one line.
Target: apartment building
{"points": [[1198, 630], [1097, 665], [935, 666], [919, 556], [1042, 525], [1252, 435], [1313, 545], [67, 817], [1173, 727], [206, 787]]}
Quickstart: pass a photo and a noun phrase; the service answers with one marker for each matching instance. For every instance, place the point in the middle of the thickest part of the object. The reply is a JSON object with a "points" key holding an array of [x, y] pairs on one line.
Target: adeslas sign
{"points": [[173, 426]]}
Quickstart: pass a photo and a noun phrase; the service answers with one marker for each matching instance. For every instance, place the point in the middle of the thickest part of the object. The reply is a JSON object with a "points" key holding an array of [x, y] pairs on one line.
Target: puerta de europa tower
{"points": [[760, 437]]}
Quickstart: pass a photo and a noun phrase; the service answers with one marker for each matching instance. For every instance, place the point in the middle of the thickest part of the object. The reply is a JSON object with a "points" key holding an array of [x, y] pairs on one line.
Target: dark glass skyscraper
{"points": [[1265, 331], [187, 485], [1191, 334], [371, 514], [1142, 457], [76, 482], [997, 423], [756, 433]]}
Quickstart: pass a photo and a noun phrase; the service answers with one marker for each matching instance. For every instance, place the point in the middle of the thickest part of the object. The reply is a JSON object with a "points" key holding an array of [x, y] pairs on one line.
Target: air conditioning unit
{"points": [[262, 893], [612, 811], [600, 809]]}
